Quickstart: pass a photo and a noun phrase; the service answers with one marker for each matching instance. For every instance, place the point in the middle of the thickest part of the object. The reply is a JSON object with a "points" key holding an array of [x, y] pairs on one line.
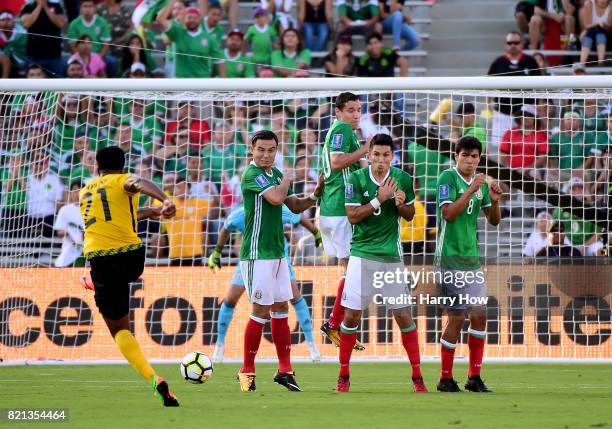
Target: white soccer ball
{"points": [[196, 368]]}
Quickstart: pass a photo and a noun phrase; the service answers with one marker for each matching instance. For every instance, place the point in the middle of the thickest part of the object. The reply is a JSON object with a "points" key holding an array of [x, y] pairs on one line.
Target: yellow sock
{"points": [[130, 348]]}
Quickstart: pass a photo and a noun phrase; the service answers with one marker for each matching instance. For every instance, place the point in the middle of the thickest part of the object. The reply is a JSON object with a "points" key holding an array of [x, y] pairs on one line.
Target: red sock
{"points": [[337, 315], [252, 338], [281, 335], [476, 345], [348, 337], [447, 354], [410, 340]]}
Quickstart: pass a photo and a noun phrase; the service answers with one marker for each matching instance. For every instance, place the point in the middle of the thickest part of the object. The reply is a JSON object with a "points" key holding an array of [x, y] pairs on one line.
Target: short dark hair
{"points": [[35, 66], [468, 143], [76, 183], [301, 158], [514, 33], [111, 158], [344, 98], [381, 140], [374, 35], [466, 109], [215, 5], [263, 135]]}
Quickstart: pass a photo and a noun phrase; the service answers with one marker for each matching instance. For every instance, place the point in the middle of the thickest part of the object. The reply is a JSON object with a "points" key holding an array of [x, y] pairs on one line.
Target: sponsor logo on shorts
{"points": [[258, 294], [348, 191], [443, 192], [262, 181], [337, 141]]}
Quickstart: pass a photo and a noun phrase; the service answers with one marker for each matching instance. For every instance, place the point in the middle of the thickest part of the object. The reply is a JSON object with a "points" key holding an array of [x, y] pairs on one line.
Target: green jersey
{"points": [[145, 131], [238, 66], [262, 41], [478, 131], [358, 9], [428, 164], [283, 59], [578, 230], [340, 139], [571, 149], [98, 29], [196, 51], [457, 241], [216, 32], [16, 198], [218, 160], [264, 237], [377, 237], [603, 142]]}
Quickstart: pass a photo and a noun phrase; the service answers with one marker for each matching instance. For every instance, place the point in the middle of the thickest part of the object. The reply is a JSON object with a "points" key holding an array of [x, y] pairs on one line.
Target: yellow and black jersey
{"points": [[109, 216]]}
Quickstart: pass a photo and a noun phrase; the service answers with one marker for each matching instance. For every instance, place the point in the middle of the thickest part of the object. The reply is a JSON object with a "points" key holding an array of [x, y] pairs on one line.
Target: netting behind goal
{"points": [[548, 273]]}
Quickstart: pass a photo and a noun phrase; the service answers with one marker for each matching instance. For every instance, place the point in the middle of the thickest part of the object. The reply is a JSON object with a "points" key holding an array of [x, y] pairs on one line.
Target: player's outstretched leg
{"points": [[330, 329], [224, 318], [410, 341], [281, 335], [476, 344], [252, 339]]}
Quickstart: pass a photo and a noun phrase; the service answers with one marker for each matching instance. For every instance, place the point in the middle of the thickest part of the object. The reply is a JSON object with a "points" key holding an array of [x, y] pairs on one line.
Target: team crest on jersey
{"points": [[479, 194], [337, 141], [348, 191], [443, 192], [262, 181], [366, 194]]}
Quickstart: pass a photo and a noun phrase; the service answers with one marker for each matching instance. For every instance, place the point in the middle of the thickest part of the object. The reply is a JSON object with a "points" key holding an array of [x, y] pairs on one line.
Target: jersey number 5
{"points": [[88, 200]]}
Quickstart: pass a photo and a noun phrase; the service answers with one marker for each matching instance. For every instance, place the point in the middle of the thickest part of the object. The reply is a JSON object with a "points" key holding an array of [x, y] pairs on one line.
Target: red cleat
{"points": [[418, 385], [343, 384], [87, 283]]}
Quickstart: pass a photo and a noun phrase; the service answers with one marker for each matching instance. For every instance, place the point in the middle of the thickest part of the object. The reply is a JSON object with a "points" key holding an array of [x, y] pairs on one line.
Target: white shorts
{"points": [[267, 280], [364, 286], [336, 232]]}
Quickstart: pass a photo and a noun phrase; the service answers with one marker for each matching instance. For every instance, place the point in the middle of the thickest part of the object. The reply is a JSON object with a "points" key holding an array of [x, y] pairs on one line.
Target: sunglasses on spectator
{"points": [[513, 42]]}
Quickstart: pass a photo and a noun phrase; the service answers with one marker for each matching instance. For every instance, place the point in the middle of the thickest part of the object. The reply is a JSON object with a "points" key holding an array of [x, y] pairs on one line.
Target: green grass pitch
{"points": [[525, 396]]}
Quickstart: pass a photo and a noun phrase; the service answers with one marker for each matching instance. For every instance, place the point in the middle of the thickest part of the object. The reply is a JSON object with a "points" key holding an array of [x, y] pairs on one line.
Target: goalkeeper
{"points": [[235, 222]]}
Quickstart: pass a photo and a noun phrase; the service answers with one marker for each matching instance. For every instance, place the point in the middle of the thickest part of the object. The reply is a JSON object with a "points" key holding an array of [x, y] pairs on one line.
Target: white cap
{"points": [[528, 108], [138, 67]]}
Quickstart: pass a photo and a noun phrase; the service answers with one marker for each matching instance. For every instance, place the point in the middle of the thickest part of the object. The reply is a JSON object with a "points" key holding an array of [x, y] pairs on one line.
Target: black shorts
{"points": [[112, 275], [525, 7]]}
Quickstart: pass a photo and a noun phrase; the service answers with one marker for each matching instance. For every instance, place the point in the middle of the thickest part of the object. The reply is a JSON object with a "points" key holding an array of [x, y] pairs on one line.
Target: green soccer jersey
{"points": [[238, 66], [578, 230], [428, 164], [196, 51], [478, 131], [283, 59], [216, 32], [571, 149], [603, 142], [262, 41], [263, 236], [377, 237], [218, 160], [16, 198], [98, 29], [457, 241], [340, 139], [358, 9]]}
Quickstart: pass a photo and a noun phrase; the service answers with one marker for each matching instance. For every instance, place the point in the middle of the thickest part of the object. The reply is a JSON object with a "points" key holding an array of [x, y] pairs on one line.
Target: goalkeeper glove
{"points": [[318, 239], [214, 260]]}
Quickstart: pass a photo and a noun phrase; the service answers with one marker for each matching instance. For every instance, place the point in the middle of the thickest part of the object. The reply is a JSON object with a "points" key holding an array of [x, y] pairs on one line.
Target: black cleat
{"points": [[448, 385], [475, 384], [163, 392], [287, 379]]}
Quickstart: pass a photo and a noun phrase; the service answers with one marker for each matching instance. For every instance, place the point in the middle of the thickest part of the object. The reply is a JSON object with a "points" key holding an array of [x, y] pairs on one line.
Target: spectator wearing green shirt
{"points": [[222, 157], [291, 56], [13, 198], [591, 117], [583, 234], [14, 38], [146, 130], [178, 9], [262, 36], [571, 146], [136, 52], [211, 23], [360, 17], [90, 23], [467, 125], [603, 140], [236, 63], [196, 51]]}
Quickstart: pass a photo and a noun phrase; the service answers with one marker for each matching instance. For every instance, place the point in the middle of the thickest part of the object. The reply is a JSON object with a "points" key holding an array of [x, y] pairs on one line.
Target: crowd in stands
{"points": [[108, 38]]}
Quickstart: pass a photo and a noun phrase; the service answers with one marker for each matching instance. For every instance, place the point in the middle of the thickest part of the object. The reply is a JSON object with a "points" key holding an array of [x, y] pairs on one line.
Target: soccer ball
{"points": [[196, 368]]}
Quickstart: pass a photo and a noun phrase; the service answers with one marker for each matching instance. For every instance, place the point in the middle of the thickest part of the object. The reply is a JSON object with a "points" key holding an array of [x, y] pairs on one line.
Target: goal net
{"points": [[547, 265]]}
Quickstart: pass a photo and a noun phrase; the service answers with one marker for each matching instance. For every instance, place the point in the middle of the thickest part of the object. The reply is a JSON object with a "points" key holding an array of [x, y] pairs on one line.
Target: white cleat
{"points": [[315, 356], [217, 356]]}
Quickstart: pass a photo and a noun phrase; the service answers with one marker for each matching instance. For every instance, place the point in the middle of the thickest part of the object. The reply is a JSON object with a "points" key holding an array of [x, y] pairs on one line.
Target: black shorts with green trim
{"points": [[112, 275]]}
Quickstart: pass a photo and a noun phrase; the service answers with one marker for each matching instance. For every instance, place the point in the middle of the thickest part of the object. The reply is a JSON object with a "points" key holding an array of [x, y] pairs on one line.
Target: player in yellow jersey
{"points": [[116, 254]]}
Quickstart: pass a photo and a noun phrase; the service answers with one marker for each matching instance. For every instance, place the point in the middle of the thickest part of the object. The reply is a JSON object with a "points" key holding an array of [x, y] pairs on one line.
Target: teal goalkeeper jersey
{"points": [[340, 139], [263, 229], [377, 237], [457, 241]]}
